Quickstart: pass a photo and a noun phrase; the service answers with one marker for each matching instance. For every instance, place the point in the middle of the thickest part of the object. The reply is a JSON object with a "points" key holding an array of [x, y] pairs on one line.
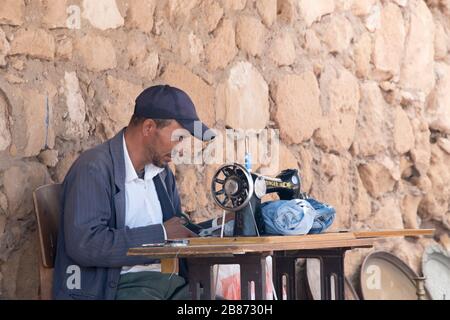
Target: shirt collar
{"points": [[130, 173], [151, 171]]}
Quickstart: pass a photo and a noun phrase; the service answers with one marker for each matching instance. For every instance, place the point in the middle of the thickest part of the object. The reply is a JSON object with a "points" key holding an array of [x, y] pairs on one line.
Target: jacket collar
{"points": [[116, 147], [167, 207]]}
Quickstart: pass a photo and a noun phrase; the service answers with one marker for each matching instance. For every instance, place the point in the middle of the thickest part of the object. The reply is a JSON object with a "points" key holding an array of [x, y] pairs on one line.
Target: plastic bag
{"points": [[228, 283]]}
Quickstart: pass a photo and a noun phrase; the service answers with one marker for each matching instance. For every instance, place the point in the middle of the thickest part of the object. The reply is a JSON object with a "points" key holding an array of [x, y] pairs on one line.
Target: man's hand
{"points": [[175, 229]]}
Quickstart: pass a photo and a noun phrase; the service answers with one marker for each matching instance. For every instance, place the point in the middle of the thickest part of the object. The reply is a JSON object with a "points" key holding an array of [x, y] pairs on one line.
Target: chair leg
{"points": [[46, 283]]}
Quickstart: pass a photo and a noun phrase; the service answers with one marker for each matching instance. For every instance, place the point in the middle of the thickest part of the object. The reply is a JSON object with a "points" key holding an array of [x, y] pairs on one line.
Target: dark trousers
{"points": [[150, 285]]}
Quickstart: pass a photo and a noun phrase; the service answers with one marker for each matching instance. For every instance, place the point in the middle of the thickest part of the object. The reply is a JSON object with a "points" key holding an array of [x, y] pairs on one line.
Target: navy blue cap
{"points": [[166, 102]]}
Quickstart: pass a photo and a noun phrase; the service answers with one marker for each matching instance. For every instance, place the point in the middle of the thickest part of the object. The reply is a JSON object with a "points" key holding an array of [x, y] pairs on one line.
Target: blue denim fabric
{"points": [[298, 216], [325, 215], [287, 217]]}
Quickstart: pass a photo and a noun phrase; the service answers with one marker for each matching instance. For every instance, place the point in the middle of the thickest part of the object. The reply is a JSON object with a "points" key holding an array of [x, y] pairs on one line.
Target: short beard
{"points": [[157, 161]]}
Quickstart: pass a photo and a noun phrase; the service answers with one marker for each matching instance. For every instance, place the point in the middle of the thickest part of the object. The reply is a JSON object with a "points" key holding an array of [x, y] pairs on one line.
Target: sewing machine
{"points": [[234, 188]]}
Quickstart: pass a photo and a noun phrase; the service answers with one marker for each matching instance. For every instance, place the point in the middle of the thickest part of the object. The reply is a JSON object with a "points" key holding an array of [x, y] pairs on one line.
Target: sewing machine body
{"points": [[236, 189]]}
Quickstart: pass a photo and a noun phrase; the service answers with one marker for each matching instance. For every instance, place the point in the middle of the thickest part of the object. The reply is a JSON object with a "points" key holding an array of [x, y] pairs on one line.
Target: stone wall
{"points": [[359, 90]]}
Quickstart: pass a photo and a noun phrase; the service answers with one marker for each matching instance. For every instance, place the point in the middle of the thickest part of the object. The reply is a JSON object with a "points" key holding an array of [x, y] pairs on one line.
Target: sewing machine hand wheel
{"points": [[232, 187]]}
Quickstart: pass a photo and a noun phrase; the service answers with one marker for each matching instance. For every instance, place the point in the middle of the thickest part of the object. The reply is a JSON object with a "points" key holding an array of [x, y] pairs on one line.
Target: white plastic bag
{"points": [[228, 283]]}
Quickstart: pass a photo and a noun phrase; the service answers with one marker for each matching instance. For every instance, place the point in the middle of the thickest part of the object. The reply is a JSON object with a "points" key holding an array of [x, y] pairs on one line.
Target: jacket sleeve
{"points": [[87, 212]]}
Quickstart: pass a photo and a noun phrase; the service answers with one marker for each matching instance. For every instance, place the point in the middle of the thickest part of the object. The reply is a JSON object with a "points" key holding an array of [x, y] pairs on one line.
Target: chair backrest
{"points": [[47, 209]]}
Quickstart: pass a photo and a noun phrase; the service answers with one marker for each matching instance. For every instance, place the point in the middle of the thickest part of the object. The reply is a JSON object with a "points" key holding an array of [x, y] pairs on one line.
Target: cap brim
{"points": [[198, 129]]}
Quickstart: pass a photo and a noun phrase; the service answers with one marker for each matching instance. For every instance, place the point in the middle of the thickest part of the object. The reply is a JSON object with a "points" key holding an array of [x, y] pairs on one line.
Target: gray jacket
{"points": [[92, 239]]}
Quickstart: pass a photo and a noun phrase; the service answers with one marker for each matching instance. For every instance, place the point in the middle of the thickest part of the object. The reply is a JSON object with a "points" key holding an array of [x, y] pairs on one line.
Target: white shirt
{"points": [[142, 206]]}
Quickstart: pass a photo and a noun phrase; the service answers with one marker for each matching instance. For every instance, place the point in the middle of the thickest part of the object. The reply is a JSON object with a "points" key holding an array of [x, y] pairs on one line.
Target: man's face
{"points": [[159, 142]]}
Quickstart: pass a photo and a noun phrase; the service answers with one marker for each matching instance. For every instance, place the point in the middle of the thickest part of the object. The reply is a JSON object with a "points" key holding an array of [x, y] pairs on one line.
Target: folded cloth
{"points": [[324, 218], [296, 217], [288, 217]]}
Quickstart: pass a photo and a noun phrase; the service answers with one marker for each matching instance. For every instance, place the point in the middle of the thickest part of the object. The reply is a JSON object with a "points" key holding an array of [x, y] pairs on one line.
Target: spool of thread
{"points": [[248, 162], [248, 157]]}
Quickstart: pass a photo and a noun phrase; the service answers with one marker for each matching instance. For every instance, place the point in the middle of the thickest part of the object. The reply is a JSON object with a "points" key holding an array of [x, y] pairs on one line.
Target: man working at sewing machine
{"points": [[121, 194]]}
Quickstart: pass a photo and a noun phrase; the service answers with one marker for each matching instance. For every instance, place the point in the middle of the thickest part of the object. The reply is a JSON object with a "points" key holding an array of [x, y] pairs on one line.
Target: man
{"points": [[121, 194]]}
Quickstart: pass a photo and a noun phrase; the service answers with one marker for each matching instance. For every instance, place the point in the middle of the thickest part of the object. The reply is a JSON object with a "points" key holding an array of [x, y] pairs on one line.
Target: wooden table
{"points": [[250, 252]]}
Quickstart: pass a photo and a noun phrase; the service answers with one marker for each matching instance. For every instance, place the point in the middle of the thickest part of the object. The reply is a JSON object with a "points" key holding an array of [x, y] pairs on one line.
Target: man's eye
{"points": [[180, 138]]}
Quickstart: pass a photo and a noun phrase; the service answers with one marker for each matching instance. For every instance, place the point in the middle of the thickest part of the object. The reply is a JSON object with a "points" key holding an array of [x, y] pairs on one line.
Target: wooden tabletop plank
{"points": [[312, 237], [227, 249], [393, 233], [272, 239], [241, 245]]}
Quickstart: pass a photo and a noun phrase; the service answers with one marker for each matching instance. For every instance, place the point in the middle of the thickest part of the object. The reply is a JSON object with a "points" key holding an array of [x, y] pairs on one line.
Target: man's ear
{"points": [[148, 127]]}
